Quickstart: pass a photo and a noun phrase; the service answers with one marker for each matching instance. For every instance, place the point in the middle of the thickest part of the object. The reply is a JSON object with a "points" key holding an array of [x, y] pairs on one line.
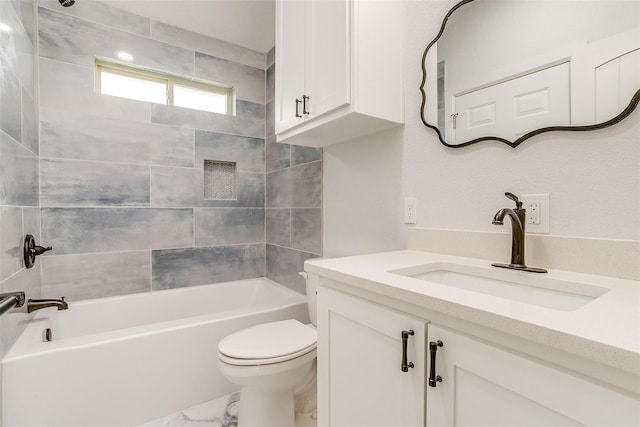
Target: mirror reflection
{"points": [[510, 69]]}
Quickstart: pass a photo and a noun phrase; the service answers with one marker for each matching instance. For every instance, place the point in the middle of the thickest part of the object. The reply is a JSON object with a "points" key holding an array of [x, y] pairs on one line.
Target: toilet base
{"points": [[259, 409], [267, 392]]}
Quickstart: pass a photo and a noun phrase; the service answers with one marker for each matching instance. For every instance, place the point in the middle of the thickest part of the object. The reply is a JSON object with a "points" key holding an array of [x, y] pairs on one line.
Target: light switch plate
{"points": [[537, 206]]}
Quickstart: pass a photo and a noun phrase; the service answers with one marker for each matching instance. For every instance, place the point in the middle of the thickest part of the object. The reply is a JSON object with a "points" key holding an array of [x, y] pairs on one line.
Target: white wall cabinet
{"points": [[484, 385], [338, 69], [360, 376], [360, 382]]}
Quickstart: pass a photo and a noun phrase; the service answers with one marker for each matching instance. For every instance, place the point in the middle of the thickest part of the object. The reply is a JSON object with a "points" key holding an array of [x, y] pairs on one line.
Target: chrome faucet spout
{"points": [[518, 221], [37, 304]]}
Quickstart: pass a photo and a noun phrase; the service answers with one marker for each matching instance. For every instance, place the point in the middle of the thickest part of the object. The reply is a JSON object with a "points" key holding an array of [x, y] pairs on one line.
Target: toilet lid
{"points": [[268, 340]]}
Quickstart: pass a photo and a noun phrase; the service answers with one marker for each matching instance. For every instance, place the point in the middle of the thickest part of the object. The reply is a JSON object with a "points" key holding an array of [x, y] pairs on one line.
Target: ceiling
{"points": [[248, 23]]}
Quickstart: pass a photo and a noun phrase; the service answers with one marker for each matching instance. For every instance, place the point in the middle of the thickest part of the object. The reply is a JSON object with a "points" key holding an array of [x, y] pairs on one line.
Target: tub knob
{"points": [[31, 250]]}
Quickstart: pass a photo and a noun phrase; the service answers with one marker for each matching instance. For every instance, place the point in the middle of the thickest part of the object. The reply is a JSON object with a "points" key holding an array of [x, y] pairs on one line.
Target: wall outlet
{"points": [[410, 210], [537, 206]]}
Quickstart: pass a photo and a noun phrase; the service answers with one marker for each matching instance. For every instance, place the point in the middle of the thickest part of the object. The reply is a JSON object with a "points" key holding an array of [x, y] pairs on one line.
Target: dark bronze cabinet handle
{"points": [[433, 378], [405, 337], [305, 111], [297, 105]]}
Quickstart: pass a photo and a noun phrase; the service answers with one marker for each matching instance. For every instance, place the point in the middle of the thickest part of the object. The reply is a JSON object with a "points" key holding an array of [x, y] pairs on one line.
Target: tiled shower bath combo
{"points": [[123, 182]]}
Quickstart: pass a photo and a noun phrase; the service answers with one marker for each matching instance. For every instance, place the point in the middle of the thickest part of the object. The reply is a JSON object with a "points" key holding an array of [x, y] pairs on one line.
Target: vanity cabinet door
{"points": [[360, 380], [483, 385]]}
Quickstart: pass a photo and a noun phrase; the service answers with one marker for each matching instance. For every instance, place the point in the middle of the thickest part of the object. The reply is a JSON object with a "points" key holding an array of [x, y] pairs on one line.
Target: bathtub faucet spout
{"points": [[37, 304]]}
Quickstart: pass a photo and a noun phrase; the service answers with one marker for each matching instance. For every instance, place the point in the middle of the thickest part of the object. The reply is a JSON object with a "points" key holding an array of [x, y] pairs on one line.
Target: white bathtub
{"points": [[127, 360]]}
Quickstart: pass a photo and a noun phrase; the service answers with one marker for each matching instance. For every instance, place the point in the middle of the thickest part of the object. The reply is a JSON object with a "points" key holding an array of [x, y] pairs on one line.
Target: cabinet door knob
{"points": [[305, 110], [433, 378], [405, 337], [297, 105]]}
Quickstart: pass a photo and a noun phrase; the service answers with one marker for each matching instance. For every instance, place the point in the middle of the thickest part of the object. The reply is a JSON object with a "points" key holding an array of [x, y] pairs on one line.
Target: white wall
{"points": [[593, 178], [362, 195]]}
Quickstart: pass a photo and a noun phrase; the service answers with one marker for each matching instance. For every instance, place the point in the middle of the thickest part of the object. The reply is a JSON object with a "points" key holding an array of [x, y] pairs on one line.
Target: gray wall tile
{"points": [[278, 223], [85, 276], [306, 229], [227, 226], [307, 189], [18, 174], [278, 156], [283, 265], [87, 230], [301, 155], [31, 224], [269, 129], [200, 43], [248, 82], [103, 13], [299, 186], [279, 189], [248, 153], [101, 251], [27, 13], [11, 240], [198, 266], [99, 138], [248, 121], [80, 183], [10, 111], [29, 123], [17, 51], [78, 41], [70, 88], [185, 187], [26, 69], [271, 84]]}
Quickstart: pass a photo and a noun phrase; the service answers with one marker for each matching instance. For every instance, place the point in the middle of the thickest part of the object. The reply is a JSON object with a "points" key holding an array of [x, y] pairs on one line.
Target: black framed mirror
{"points": [[508, 70]]}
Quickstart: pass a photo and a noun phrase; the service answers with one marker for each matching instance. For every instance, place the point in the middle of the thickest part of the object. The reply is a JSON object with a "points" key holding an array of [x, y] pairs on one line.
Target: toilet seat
{"points": [[268, 343]]}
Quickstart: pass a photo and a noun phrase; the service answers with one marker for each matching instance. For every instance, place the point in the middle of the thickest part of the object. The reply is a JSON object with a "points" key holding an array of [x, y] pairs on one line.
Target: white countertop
{"points": [[605, 330]]}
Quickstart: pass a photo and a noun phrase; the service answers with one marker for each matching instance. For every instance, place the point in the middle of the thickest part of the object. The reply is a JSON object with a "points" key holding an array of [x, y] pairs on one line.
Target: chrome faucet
{"points": [[518, 221], [37, 304]]}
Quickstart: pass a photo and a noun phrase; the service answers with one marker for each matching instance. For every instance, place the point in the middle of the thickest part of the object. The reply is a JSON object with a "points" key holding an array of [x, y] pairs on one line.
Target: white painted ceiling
{"points": [[248, 23]]}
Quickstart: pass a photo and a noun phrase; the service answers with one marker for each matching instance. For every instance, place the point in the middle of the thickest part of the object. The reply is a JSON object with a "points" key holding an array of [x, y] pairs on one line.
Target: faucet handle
{"points": [[513, 197]]}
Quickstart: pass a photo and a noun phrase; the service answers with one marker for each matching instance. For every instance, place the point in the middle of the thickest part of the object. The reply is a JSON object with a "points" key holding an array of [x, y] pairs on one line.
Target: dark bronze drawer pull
{"points": [[433, 378], [405, 337]]}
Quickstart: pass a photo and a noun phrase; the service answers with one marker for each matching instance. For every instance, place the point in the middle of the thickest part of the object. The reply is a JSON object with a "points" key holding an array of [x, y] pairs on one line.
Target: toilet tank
{"points": [[312, 297]]}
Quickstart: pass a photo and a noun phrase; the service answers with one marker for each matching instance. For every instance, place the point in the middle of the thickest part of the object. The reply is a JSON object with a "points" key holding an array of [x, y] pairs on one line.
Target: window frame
{"points": [[169, 80]]}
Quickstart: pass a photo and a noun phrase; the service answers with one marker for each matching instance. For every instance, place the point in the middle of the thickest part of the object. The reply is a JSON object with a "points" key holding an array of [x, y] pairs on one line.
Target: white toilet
{"points": [[271, 363]]}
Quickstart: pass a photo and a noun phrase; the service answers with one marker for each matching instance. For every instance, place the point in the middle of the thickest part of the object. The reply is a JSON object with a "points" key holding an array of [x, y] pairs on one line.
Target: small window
{"points": [[141, 85]]}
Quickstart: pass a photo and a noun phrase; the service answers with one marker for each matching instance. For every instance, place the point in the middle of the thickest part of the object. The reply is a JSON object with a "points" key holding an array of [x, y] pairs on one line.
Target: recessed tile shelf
{"points": [[219, 180]]}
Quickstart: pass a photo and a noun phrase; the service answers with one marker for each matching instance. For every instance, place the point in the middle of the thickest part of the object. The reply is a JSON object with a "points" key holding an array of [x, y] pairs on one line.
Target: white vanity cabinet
{"points": [[485, 385], [477, 382], [360, 353], [338, 69]]}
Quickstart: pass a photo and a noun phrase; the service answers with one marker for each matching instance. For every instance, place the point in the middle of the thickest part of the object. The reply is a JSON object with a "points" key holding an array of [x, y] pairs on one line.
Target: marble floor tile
{"points": [[221, 412]]}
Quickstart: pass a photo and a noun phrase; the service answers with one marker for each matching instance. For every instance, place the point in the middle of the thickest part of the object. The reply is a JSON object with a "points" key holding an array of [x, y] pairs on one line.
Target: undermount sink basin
{"points": [[523, 287]]}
